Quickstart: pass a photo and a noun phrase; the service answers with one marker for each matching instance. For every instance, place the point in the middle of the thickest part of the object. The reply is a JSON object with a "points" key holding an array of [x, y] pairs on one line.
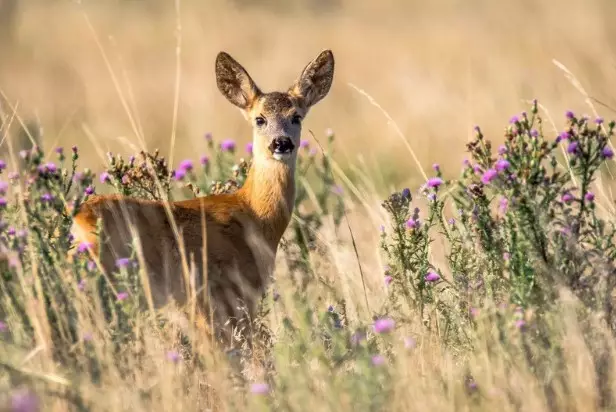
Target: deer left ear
{"points": [[316, 79]]}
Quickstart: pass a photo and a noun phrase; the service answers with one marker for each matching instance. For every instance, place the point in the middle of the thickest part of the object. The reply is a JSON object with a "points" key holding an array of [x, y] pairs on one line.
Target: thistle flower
{"points": [[260, 388], [434, 182], [46, 197], [412, 223], [378, 360], [384, 325], [607, 152], [488, 176], [208, 136], [123, 263], [304, 144], [89, 190], [249, 147], [2, 165], [186, 165], [569, 114], [502, 164], [599, 120], [179, 174], [534, 133], [514, 120], [24, 401], [432, 277], [105, 177], [567, 197], [590, 196], [204, 160], [227, 145], [502, 149], [121, 296], [573, 147], [388, 279]]}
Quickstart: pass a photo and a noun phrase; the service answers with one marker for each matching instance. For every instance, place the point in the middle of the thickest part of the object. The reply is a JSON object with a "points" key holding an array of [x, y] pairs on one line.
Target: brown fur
{"points": [[242, 229]]}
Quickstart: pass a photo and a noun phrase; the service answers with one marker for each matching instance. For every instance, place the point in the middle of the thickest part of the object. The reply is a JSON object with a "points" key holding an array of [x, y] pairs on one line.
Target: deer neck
{"points": [[269, 192]]}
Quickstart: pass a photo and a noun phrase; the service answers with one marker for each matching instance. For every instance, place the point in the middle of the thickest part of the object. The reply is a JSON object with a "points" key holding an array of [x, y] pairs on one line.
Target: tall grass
{"points": [[512, 310]]}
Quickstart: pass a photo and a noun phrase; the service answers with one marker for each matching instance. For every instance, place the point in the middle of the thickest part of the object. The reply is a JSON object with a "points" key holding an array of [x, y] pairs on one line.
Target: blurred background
{"points": [[99, 74]]}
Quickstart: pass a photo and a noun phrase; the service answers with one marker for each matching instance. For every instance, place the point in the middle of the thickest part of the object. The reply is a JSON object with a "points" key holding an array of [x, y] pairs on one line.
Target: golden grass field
{"points": [[412, 78], [438, 68]]}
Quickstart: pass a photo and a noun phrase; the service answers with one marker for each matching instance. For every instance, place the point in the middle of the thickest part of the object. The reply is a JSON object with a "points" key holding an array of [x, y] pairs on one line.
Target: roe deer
{"points": [[242, 230]]}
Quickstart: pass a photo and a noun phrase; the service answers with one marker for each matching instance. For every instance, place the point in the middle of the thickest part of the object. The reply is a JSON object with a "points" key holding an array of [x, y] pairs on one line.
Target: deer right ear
{"points": [[234, 82]]}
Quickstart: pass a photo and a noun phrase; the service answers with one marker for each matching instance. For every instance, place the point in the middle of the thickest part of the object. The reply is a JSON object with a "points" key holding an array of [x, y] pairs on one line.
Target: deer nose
{"points": [[281, 144]]}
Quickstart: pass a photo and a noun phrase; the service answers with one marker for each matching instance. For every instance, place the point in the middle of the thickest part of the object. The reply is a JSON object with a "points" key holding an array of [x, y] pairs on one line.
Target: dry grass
{"points": [[436, 68]]}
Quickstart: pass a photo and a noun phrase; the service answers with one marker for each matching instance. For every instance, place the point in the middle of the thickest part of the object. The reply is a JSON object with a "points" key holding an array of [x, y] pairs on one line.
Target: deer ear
{"points": [[316, 79], [234, 82]]}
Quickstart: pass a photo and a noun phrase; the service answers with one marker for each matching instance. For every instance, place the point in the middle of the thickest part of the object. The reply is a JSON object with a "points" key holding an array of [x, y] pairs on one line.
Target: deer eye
{"points": [[297, 119], [260, 121]]}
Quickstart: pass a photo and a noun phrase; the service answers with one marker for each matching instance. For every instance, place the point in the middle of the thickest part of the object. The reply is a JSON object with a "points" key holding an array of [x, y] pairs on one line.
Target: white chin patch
{"points": [[281, 156]]}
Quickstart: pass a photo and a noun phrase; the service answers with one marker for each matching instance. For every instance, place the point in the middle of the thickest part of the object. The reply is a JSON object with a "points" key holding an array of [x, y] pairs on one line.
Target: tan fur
{"points": [[242, 229]]}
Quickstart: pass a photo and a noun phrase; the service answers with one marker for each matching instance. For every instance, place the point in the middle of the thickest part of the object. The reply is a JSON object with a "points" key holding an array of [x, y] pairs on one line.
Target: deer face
{"points": [[276, 117]]}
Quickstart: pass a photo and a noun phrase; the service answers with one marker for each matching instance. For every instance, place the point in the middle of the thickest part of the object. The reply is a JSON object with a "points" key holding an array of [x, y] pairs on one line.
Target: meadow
{"points": [[452, 246]]}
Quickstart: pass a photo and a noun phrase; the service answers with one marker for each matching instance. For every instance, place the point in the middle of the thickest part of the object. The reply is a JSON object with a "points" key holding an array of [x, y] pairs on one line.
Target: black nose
{"points": [[281, 145]]}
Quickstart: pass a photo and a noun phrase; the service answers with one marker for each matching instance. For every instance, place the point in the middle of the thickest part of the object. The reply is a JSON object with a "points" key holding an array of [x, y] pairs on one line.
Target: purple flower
{"points": [[330, 309], [91, 265], [434, 182], [186, 165], [304, 144], [569, 114], [432, 197], [4, 186], [121, 296], [104, 177], [59, 150], [378, 360], [607, 152], [406, 193], [125, 180], [514, 120], [24, 401], [179, 174], [502, 149], [259, 388], [534, 133], [84, 246], [204, 160], [412, 223], [590, 196], [3, 203], [431, 277], [436, 167], [208, 136], [503, 205], [46, 197], [81, 285], [452, 221], [502, 164], [384, 325], [388, 279], [173, 356], [573, 147], [567, 197], [488, 176], [227, 145], [2, 165], [410, 342], [520, 324], [562, 136], [599, 120], [123, 263], [89, 190], [249, 148], [74, 149]]}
